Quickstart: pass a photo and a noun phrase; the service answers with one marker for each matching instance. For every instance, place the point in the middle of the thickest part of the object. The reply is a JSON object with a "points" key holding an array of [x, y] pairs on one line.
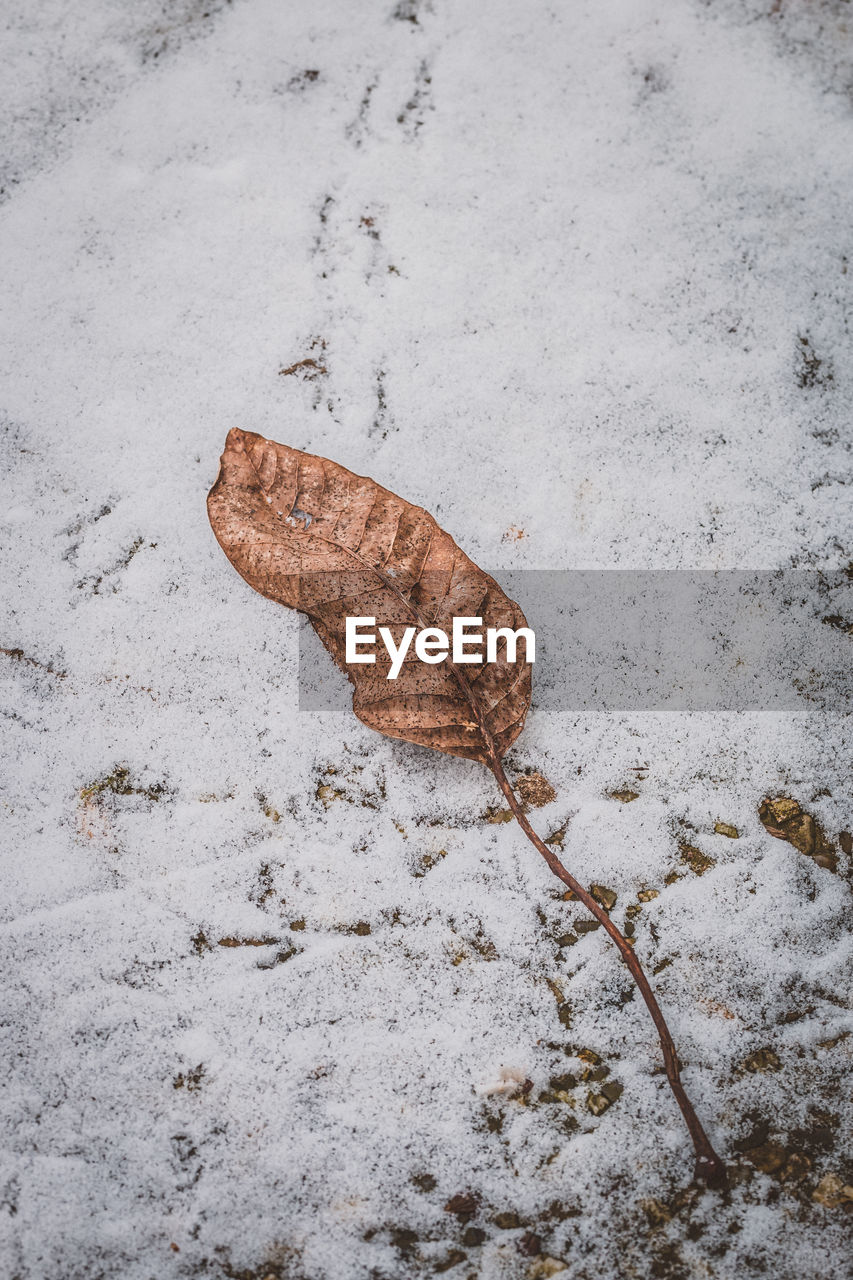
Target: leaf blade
{"points": [[316, 537]]}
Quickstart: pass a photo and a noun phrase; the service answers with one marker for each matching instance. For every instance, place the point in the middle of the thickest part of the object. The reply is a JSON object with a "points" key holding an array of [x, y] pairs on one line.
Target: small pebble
{"points": [[831, 1192], [530, 1245], [604, 897], [463, 1205], [762, 1060]]}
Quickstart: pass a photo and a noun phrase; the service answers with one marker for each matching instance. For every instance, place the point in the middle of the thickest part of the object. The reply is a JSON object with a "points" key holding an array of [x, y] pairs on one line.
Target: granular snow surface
{"points": [[575, 278]]}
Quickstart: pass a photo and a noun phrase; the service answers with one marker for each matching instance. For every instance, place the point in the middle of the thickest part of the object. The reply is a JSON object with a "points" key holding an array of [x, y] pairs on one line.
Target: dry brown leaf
{"points": [[312, 535]]}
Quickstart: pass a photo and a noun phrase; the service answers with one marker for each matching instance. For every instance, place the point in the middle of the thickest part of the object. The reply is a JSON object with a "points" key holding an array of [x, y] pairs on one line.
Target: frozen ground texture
{"points": [[572, 271]]}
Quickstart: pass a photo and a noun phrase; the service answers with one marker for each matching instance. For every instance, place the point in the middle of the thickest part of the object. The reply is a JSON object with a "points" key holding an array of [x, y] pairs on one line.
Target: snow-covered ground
{"points": [[574, 277]]}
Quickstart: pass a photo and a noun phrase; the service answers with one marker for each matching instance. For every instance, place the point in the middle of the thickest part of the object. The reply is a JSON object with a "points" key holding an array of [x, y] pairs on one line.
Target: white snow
{"points": [[574, 277]]}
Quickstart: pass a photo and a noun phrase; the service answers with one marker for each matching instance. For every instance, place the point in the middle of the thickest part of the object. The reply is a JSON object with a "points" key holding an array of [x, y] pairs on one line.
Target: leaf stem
{"points": [[709, 1167]]}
